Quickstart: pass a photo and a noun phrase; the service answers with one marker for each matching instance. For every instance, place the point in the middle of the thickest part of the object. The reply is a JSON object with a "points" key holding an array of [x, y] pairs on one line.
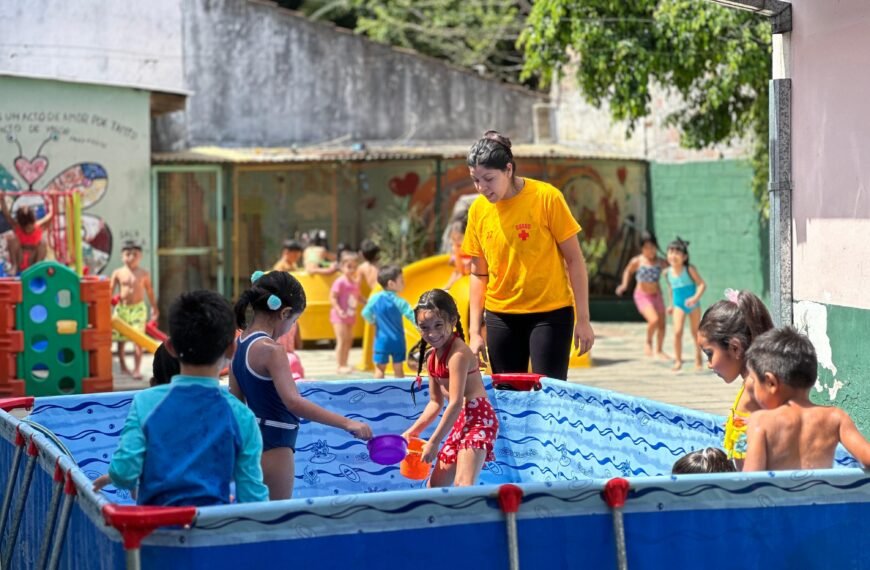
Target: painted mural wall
{"points": [[825, 54], [91, 139]]}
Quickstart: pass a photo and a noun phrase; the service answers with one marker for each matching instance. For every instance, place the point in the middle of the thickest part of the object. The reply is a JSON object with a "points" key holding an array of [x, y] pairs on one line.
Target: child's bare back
{"points": [[795, 436]]}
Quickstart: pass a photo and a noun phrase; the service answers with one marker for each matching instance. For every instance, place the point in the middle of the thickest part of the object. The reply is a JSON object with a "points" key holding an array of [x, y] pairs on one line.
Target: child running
{"points": [[385, 310], [726, 332], [344, 296], [686, 289], [133, 284], [647, 268], [790, 432], [454, 375], [260, 376], [184, 442]]}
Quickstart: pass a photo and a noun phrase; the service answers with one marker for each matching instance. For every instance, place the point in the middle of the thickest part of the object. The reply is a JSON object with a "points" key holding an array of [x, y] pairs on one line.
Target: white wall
{"points": [[111, 42], [830, 59]]}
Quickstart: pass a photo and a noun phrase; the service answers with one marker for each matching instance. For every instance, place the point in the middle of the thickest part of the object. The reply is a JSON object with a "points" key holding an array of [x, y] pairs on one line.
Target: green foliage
{"points": [[479, 35], [716, 59], [402, 235]]}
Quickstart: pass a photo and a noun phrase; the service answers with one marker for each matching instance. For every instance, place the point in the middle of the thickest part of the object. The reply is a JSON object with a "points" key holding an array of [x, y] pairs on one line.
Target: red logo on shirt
{"points": [[522, 231]]}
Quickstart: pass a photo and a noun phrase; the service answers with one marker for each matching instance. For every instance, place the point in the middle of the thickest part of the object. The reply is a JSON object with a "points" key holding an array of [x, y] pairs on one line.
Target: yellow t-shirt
{"points": [[518, 237]]}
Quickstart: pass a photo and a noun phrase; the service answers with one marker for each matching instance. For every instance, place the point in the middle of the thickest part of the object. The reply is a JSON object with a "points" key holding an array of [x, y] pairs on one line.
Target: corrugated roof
{"points": [[273, 155]]}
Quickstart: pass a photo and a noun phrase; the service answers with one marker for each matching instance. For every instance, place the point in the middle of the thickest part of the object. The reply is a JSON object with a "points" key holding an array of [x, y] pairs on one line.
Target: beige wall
{"points": [[830, 59]]}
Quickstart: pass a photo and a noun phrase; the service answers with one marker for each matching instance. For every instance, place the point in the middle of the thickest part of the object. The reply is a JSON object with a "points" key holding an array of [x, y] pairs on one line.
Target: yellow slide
{"points": [[136, 337], [421, 276]]}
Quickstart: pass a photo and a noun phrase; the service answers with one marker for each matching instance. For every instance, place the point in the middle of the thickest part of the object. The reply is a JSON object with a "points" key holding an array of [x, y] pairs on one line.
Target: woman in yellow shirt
{"points": [[527, 271]]}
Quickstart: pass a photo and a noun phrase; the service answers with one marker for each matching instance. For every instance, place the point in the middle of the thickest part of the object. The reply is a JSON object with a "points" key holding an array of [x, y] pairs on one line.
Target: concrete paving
{"points": [[618, 365]]}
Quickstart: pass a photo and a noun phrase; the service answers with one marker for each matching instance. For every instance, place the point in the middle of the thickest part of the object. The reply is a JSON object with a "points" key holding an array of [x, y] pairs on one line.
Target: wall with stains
{"points": [[265, 76]]}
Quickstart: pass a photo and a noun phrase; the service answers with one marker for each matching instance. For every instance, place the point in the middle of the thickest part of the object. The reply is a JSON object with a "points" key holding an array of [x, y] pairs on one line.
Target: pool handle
{"points": [[136, 522], [509, 499], [614, 494]]}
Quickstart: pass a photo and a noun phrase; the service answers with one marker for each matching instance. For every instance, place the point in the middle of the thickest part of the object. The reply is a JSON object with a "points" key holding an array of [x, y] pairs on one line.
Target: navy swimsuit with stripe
{"points": [[278, 426]]}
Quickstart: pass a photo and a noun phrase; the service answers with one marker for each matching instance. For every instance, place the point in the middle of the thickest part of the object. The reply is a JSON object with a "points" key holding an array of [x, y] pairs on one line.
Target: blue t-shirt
{"points": [[385, 310], [184, 442]]}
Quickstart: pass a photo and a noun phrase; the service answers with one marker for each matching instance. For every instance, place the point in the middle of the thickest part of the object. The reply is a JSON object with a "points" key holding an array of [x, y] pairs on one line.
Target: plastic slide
{"points": [[420, 276], [136, 337]]}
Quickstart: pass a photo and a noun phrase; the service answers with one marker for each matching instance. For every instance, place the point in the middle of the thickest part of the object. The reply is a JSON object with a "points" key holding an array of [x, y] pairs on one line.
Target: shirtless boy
{"points": [[790, 432], [133, 282]]}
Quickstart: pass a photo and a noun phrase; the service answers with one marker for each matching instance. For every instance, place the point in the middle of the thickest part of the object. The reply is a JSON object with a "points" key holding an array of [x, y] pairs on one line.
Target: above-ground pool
{"points": [[560, 445]]}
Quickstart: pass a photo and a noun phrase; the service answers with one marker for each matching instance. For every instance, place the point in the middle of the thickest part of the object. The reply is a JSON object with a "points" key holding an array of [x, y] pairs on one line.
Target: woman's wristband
{"points": [[481, 274]]}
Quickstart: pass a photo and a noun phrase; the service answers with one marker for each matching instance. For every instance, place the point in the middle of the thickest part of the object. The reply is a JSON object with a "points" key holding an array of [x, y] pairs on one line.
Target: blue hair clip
{"points": [[273, 302], [256, 275]]}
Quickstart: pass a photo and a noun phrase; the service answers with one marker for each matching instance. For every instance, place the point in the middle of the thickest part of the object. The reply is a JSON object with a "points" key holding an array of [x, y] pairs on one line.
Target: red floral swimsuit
{"points": [[477, 425]]}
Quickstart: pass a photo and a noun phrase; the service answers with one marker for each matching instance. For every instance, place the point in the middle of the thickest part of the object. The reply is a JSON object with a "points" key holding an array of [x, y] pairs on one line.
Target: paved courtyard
{"points": [[618, 364]]}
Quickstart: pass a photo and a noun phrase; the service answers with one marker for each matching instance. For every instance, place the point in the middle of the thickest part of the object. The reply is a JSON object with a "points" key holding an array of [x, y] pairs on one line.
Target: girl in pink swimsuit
{"points": [[453, 375], [647, 269]]}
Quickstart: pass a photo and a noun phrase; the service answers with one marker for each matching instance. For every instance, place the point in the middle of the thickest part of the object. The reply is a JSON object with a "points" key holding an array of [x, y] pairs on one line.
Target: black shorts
{"points": [[512, 339]]}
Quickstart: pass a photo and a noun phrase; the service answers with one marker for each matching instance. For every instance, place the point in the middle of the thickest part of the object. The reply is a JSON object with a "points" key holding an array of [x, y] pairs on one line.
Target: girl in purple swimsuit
{"points": [[647, 269]]}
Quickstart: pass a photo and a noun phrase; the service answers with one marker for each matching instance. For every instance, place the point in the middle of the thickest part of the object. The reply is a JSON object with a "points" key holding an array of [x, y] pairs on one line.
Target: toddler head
{"points": [[26, 219], [678, 252], [369, 250], [131, 253], [649, 245], [781, 362], [200, 327], [727, 330], [710, 460], [348, 263], [390, 278], [276, 294]]}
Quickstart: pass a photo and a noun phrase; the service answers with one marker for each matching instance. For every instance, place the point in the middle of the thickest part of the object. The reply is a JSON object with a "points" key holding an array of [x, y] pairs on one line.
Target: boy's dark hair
{"points": [[201, 327], [440, 301], [164, 367], [743, 321], [369, 250], [318, 238], [278, 283], [787, 354], [292, 245], [710, 460], [493, 150], [25, 216], [388, 273], [131, 244]]}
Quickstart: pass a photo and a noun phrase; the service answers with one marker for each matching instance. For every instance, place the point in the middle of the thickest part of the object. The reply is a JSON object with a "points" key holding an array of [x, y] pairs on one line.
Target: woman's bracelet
{"points": [[480, 274]]}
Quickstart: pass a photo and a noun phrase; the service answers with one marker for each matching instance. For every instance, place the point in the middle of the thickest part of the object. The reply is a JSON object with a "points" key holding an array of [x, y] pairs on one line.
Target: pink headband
{"points": [[732, 295]]}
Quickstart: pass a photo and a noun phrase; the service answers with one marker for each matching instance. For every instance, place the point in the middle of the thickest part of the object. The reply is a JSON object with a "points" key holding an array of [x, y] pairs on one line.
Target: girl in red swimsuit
{"points": [[26, 246], [454, 376]]}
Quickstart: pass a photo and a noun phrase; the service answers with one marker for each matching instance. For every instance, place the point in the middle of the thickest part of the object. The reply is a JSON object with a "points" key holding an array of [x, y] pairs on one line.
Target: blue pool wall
{"points": [[556, 437]]}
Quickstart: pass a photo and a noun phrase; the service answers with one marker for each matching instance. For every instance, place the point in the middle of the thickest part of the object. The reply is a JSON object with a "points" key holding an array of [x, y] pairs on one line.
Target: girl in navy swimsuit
{"points": [[260, 376]]}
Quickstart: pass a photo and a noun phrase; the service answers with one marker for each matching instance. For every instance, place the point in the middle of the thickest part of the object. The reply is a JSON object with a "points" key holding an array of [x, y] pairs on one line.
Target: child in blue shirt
{"points": [[385, 310], [184, 442]]}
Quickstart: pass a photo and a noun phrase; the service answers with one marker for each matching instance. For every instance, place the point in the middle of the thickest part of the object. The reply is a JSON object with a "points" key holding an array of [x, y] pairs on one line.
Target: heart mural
{"points": [[406, 185]]}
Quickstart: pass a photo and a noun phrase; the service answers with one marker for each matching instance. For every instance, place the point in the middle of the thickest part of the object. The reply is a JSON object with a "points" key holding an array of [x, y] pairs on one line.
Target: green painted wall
{"points": [[839, 335], [93, 125], [711, 205]]}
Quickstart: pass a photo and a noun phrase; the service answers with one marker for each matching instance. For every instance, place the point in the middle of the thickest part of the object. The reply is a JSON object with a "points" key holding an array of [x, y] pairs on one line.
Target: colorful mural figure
{"points": [[87, 178]]}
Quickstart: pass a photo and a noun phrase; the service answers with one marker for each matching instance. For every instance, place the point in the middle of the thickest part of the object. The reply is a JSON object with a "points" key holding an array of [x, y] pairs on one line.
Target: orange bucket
{"points": [[411, 467]]}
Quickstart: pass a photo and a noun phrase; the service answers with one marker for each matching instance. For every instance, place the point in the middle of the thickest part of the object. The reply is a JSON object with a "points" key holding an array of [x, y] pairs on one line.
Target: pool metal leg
{"points": [[615, 493], [135, 523], [56, 494], [509, 499], [15, 524], [69, 497], [10, 482]]}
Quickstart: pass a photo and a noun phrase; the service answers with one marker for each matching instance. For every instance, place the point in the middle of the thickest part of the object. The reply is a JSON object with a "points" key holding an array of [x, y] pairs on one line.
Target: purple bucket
{"points": [[387, 449]]}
